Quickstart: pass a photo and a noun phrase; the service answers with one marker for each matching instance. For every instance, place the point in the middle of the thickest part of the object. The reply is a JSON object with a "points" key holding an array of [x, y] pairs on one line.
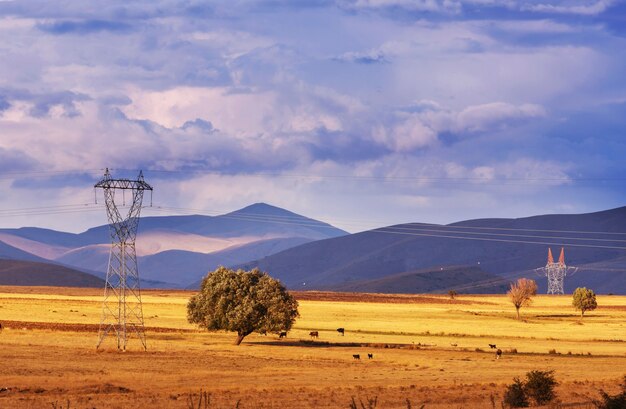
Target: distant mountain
{"points": [[463, 279], [499, 246], [174, 250], [29, 273], [9, 252]]}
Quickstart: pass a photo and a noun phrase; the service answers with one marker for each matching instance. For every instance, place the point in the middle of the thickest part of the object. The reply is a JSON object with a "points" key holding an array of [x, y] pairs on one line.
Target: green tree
{"points": [[452, 294], [584, 300], [521, 293], [242, 301]]}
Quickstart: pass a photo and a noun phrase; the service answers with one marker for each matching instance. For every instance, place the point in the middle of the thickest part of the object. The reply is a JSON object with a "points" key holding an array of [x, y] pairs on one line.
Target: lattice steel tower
{"points": [[556, 272], [122, 311]]}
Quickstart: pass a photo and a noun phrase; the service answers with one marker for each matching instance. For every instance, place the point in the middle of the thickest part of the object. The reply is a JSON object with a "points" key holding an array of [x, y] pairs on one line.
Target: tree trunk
{"points": [[241, 335], [517, 309], [582, 313]]}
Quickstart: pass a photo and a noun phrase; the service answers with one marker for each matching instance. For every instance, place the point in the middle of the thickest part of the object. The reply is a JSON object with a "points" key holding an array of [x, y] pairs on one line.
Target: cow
{"points": [[341, 331], [498, 353], [314, 334], [454, 345], [370, 356], [356, 356], [283, 334], [492, 346]]}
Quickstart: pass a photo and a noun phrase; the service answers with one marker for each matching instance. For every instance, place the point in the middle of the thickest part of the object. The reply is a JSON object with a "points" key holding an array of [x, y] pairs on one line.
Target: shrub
{"points": [[613, 402], [515, 396], [540, 385]]}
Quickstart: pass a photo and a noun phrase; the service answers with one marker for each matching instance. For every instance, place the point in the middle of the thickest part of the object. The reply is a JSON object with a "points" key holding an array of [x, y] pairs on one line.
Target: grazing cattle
{"points": [[454, 345], [314, 334], [341, 331], [370, 356], [498, 353], [356, 356], [492, 346], [283, 334]]}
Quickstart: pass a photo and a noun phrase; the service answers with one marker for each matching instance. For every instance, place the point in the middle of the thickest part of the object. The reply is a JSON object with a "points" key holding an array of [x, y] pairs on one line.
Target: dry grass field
{"points": [[427, 350]]}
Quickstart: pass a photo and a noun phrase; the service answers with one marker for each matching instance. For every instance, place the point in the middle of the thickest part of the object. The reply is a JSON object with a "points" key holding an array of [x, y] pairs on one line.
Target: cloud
{"points": [[586, 8], [41, 104], [371, 57], [495, 115], [84, 27], [321, 88]]}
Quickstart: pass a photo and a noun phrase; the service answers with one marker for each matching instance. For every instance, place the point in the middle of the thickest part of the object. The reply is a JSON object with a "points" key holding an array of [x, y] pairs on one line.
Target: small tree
{"points": [[584, 300], [540, 385], [242, 301], [452, 294], [521, 293]]}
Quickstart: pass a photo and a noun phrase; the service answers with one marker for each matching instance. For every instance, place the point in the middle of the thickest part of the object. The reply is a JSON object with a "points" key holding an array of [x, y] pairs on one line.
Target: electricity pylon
{"points": [[122, 311], [556, 272]]}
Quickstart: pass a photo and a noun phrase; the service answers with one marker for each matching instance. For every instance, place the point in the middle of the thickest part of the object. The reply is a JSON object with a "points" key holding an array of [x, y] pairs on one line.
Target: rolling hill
{"points": [[174, 251], [31, 273], [509, 248]]}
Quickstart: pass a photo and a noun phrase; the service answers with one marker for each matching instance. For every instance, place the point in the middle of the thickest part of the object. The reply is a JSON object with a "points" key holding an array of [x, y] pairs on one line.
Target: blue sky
{"points": [[361, 113]]}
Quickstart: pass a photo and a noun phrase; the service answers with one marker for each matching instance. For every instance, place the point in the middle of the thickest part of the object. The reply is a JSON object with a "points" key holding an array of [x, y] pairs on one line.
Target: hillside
{"points": [[174, 250], [463, 279], [29, 273], [509, 248]]}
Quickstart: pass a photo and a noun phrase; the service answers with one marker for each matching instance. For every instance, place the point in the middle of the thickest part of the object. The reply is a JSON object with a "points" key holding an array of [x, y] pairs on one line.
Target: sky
{"points": [[360, 113]]}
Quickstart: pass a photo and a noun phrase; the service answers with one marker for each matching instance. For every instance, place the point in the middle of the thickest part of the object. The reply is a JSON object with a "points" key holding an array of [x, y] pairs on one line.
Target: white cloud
{"points": [[586, 8]]}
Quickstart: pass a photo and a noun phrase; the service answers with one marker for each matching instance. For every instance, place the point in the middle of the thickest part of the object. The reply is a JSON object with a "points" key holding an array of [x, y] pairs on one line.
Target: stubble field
{"points": [[426, 350]]}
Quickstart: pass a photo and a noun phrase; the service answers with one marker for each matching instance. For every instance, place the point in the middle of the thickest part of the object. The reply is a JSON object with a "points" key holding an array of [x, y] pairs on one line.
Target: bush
{"points": [[540, 385], [613, 402], [515, 396]]}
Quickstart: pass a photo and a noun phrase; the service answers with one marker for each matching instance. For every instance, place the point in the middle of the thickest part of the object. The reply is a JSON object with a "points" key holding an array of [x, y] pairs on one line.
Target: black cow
{"points": [[341, 331], [314, 334], [356, 356], [370, 356], [283, 334], [492, 346], [498, 353]]}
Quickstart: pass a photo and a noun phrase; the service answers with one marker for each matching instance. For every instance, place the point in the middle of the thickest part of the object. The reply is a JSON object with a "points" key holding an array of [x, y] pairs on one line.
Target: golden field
{"points": [[427, 350]]}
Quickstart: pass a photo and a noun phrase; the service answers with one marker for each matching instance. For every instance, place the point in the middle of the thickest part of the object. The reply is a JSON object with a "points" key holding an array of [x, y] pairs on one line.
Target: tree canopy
{"points": [[584, 300], [521, 293], [243, 302]]}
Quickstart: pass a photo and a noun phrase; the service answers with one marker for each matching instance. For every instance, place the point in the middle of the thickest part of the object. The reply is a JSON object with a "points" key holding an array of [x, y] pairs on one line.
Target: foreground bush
{"points": [[514, 396], [538, 387], [613, 402]]}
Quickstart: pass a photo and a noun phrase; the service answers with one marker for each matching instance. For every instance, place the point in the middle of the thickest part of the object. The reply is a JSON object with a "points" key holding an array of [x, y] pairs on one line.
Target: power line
{"points": [[446, 179], [399, 230]]}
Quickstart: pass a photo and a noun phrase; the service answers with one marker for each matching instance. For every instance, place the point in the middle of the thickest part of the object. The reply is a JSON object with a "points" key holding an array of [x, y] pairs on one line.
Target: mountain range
{"points": [[505, 249], [173, 251], [474, 256]]}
